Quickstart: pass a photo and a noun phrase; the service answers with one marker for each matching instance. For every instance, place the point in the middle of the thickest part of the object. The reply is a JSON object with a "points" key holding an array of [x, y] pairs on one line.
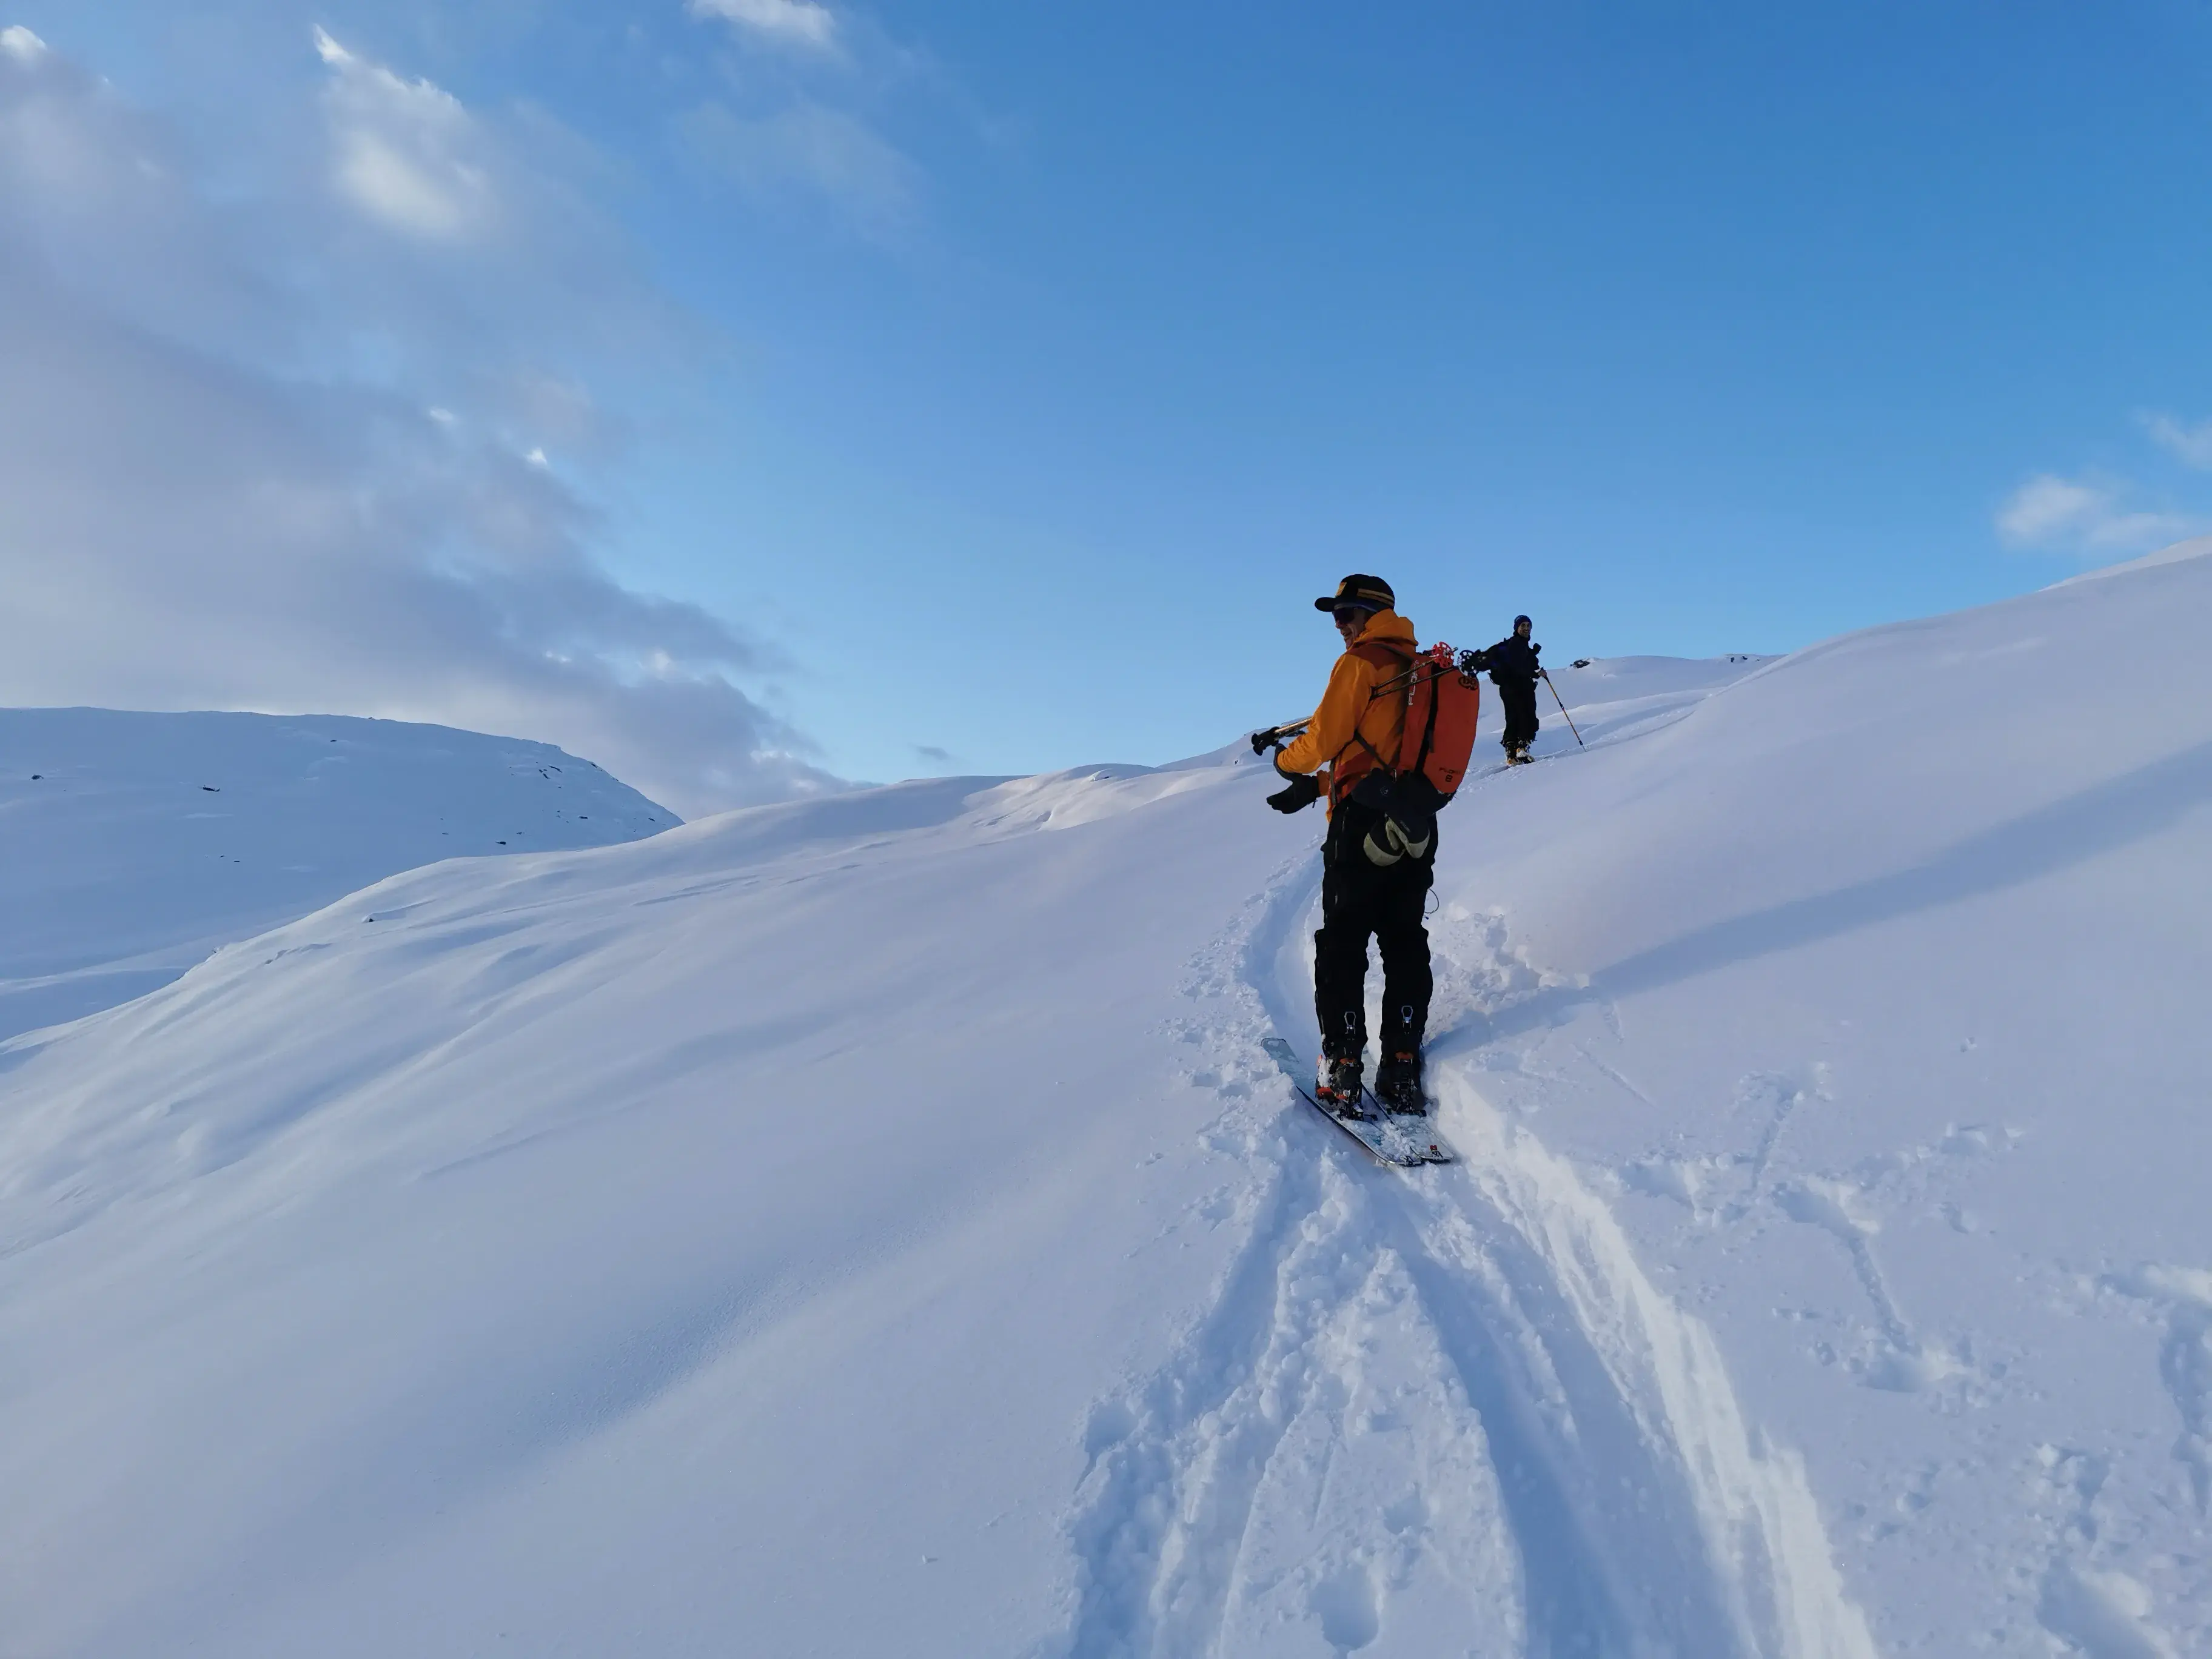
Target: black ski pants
{"points": [[1519, 698], [1359, 898]]}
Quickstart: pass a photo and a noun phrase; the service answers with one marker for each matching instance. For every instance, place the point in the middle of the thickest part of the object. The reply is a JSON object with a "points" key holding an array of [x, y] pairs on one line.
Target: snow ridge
{"points": [[466, 1266], [132, 845]]}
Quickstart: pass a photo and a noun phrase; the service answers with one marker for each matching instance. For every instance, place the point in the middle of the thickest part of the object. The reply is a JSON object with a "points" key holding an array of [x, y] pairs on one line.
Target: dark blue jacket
{"points": [[1513, 661]]}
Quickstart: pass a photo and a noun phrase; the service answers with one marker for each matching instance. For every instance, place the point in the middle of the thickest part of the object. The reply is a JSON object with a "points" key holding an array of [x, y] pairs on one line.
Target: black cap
{"points": [[1369, 593], [1518, 621]]}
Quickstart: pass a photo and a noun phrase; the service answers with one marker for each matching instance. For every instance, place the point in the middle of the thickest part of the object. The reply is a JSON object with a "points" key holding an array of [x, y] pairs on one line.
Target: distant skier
{"points": [[1515, 671], [1373, 881]]}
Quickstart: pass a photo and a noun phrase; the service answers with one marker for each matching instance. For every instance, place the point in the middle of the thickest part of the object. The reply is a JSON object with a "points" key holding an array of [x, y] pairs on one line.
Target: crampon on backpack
{"points": [[1442, 698]]}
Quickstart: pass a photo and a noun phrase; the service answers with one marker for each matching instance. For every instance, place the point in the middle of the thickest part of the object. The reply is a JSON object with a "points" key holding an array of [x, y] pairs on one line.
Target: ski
{"points": [[1402, 1142]]}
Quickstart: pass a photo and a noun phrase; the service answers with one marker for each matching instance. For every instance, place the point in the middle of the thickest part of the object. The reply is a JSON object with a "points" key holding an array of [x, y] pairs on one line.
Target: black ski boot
{"points": [[1398, 1083], [1337, 1087]]}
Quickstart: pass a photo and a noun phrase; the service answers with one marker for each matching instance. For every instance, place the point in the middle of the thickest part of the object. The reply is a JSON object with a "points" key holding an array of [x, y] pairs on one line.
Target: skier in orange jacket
{"points": [[1373, 882]]}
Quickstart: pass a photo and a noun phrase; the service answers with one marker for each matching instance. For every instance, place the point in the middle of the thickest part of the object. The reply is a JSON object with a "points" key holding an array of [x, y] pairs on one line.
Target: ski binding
{"points": [[1402, 1141]]}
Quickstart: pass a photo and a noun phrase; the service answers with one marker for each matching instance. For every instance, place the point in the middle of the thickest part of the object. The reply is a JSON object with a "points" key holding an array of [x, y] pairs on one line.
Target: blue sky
{"points": [[998, 384]]}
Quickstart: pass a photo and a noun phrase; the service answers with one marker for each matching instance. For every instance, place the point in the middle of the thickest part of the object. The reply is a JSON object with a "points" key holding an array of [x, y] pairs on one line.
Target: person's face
{"points": [[1350, 619], [1521, 630]]}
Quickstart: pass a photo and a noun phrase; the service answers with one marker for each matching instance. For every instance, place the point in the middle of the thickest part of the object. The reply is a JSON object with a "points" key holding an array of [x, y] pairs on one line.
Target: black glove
{"points": [[1299, 793], [1261, 739]]}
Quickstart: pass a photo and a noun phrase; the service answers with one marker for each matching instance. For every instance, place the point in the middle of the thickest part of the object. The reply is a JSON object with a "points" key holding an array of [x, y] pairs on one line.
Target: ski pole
{"points": [[1564, 715]]}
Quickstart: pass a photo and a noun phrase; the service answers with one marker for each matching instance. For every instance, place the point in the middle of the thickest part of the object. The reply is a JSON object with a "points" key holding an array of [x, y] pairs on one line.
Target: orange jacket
{"points": [[1350, 707]]}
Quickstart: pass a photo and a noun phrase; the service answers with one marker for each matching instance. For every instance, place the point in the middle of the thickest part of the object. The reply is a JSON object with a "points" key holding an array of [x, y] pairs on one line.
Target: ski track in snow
{"points": [[1511, 1426]]}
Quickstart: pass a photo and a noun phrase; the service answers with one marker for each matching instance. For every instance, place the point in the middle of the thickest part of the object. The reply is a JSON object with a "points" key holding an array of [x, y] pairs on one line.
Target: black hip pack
{"points": [[1406, 806]]}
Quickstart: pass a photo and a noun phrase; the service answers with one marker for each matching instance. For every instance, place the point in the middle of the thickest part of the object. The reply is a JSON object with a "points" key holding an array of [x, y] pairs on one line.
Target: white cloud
{"points": [[814, 150], [212, 495], [799, 23], [20, 44], [2046, 505], [2084, 516], [2192, 444], [402, 149]]}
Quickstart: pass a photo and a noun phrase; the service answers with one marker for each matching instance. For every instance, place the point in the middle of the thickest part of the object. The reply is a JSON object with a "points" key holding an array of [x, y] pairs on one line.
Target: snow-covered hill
{"points": [[133, 844], [869, 1226]]}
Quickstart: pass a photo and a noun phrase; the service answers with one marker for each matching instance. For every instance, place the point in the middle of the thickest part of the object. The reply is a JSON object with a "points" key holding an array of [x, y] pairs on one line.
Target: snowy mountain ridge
{"points": [[132, 844], [870, 1224]]}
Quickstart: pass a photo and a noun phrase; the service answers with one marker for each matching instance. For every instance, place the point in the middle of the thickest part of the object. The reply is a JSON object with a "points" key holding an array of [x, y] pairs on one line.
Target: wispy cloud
{"points": [[800, 24], [2089, 517], [811, 132], [2192, 444], [813, 150], [227, 483], [402, 148]]}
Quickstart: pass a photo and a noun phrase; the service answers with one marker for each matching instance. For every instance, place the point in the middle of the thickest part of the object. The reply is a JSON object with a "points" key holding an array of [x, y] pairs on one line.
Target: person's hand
{"points": [[1261, 739], [1296, 796]]}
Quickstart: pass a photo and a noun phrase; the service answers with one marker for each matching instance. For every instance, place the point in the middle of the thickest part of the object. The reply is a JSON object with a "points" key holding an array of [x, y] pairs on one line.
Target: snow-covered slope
{"points": [[133, 844], [869, 1226]]}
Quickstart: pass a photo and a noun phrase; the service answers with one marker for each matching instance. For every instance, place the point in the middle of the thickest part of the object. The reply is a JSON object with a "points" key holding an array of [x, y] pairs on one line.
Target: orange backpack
{"points": [[1443, 699]]}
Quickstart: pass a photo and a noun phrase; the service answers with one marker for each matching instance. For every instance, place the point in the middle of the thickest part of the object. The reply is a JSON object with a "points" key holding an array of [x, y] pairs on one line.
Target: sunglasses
{"points": [[1351, 613]]}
